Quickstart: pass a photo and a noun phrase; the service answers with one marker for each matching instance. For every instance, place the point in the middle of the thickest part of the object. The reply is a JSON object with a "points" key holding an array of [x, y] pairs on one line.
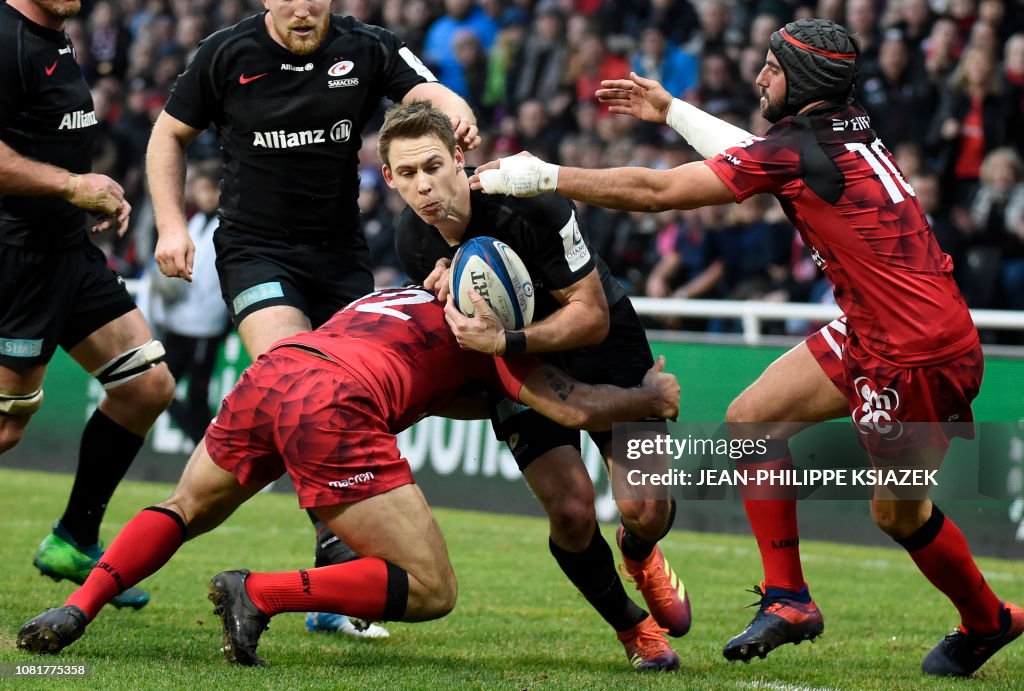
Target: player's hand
{"points": [[522, 175], [467, 134], [482, 332], [642, 98], [175, 253], [119, 220], [664, 388], [95, 193], [437, 281]]}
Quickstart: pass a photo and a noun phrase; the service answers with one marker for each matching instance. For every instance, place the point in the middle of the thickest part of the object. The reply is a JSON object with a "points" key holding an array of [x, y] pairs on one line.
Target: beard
{"points": [[304, 45], [63, 9], [772, 111]]}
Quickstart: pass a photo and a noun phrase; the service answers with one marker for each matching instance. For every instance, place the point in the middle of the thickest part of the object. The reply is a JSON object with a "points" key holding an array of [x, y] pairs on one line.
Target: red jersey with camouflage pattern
{"points": [[845, 194], [390, 338]]}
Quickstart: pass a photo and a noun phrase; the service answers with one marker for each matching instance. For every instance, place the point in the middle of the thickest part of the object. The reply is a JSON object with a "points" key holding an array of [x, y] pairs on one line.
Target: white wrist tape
{"points": [[520, 176], [707, 134]]}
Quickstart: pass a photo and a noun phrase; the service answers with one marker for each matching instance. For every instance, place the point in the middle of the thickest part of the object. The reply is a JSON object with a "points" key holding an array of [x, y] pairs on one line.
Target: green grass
{"points": [[518, 623]]}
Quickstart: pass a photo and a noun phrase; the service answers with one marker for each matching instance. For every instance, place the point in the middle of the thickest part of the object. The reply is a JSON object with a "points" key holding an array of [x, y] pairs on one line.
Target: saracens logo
{"points": [[877, 414], [340, 69]]}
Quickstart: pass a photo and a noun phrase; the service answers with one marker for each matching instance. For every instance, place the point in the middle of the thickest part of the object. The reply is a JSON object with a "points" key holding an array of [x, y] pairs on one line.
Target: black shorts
{"points": [[54, 298], [318, 277], [621, 359]]}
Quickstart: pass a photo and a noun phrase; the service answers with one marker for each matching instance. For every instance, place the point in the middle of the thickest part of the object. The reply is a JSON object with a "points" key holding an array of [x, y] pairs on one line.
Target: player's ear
{"points": [[388, 177], [460, 159]]}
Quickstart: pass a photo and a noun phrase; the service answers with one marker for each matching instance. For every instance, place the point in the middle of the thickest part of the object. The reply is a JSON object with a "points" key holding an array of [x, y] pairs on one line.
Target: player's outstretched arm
{"points": [[165, 170], [647, 100], [554, 394], [627, 189]]}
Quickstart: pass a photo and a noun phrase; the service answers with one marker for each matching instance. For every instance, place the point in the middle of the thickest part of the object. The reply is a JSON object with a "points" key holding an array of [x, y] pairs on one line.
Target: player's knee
{"points": [[897, 519], [432, 596], [645, 517], [572, 519], [10, 432], [740, 410], [149, 395]]}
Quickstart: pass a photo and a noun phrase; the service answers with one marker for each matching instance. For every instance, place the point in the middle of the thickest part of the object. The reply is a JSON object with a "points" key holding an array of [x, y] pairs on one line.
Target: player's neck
{"points": [[35, 13], [454, 226]]}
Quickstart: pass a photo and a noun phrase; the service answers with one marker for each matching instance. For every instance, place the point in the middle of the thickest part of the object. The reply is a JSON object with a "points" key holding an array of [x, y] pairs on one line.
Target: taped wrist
{"points": [[707, 134], [521, 176]]}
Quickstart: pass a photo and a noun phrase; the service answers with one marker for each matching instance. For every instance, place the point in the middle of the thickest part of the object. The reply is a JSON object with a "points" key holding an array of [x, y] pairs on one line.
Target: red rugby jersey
{"points": [[845, 194], [397, 343]]}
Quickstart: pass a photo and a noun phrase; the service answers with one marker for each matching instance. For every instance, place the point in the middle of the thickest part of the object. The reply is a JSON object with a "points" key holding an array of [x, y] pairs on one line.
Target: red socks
{"points": [[771, 512], [941, 553], [368, 588], [144, 545]]}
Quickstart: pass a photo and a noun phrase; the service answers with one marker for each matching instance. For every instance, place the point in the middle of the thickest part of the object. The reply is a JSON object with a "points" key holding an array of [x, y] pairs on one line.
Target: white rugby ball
{"points": [[493, 269]]}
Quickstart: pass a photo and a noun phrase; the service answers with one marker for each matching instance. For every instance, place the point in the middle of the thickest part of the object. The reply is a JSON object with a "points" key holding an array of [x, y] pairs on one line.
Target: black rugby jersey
{"points": [[46, 114], [289, 125], [543, 231]]}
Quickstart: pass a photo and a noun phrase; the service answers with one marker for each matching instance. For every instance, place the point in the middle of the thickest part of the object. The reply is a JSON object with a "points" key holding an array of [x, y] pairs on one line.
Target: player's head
{"points": [[422, 160], [299, 24], [817, 59]]}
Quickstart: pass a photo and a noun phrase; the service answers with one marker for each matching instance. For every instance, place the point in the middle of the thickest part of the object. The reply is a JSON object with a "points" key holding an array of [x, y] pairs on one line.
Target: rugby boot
{"points": [[242, 621], [664, 593], [647, 648], [782, 617], [961, 653], [60, 557], [53, 630], [325, 622]]}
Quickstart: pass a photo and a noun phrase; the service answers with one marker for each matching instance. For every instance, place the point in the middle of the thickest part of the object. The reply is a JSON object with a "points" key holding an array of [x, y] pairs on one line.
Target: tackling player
{"points": [[325, 406], [289, 91], [905, 351]]}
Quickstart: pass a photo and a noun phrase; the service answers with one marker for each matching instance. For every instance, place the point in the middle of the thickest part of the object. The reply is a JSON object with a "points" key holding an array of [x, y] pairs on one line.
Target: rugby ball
{"points": [[493, 269]]}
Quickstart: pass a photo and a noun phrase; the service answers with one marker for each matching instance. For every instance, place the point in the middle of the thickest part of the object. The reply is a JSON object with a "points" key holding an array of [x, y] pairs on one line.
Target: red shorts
{"points": [[899, 408], [294, 411]]}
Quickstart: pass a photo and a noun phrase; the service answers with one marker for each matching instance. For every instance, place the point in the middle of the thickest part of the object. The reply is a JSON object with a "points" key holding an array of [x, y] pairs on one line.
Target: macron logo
{"points": [[77, 120], [280, 139], [348, 482]]}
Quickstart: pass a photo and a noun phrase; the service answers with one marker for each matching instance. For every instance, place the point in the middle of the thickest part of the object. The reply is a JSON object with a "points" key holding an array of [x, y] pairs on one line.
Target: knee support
{"points": [[16, 405], [130, 364]]}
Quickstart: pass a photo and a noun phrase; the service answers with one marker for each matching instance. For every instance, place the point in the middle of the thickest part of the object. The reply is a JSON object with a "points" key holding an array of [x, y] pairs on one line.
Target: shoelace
{"points": [[762, 596], [650, 640]]}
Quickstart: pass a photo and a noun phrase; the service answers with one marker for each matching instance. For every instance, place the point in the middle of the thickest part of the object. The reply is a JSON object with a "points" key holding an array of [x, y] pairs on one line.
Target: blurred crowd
{"points": [[942, 79]]}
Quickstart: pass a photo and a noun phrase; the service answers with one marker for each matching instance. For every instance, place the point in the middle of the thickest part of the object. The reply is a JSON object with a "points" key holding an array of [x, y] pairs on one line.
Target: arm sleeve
{"points": [[554, 246], [511, 374], [193, 98], [758, 165]]}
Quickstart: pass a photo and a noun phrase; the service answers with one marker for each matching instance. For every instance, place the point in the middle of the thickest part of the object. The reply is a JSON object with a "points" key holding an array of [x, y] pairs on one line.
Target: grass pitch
{"points": [[519, 624]]}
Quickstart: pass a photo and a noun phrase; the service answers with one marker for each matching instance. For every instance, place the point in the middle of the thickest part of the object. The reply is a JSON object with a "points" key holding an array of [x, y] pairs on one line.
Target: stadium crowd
{"points": [[943, 78]]}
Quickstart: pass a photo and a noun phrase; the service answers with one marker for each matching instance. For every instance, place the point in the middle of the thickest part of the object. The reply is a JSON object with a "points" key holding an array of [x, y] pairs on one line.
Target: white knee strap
{"points": [[11, 404], [130, 364]]}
